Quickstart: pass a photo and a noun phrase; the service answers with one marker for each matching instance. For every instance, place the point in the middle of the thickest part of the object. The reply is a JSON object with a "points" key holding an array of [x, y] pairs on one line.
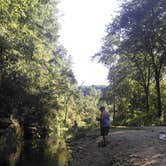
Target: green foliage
{"points": [[134, 51], [35, 73]]}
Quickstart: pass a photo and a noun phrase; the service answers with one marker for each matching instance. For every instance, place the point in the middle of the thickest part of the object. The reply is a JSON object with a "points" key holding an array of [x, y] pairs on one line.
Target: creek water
{"points": [[53, 152]]}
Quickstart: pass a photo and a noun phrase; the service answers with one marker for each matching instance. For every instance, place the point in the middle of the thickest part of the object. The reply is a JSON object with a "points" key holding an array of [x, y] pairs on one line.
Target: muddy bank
{"points": [[127, 147]]}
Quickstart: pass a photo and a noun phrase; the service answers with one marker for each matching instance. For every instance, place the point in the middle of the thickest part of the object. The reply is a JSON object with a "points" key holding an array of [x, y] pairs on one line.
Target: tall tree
{"points": [[140, 32]]}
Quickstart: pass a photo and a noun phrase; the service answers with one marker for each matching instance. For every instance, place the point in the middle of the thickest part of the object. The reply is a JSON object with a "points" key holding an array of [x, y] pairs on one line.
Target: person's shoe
{"points": [[104, 144]]}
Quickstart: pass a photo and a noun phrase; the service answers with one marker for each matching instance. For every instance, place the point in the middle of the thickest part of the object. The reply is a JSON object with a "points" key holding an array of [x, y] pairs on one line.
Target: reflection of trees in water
{"points": [[45, 153], [58, 149], [10, 154], [13, 157], [37, 152], [10, 147]]}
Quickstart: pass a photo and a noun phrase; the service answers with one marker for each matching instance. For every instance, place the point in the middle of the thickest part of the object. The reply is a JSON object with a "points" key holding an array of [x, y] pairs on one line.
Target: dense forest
{"points": [[134, 50], [39, 94], [38, 90]]}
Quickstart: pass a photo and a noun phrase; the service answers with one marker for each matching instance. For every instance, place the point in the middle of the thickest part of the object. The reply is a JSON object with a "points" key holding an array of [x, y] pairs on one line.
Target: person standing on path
{"points": [[104, 124]]}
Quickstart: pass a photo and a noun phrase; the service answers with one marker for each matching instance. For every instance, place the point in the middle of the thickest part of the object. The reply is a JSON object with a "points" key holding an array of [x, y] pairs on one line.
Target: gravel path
{"points": [[127, 147]]}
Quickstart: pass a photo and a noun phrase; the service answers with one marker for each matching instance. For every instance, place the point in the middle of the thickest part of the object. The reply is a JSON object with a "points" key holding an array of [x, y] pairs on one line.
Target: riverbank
{"points": [[127, 147]]}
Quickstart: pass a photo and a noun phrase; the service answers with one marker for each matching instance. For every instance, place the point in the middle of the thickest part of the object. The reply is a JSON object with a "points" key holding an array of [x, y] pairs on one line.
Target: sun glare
{"points": [[82, 28]]}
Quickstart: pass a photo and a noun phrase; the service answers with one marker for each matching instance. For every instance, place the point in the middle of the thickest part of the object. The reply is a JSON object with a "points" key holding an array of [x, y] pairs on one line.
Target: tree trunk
{"points": [[66, 107], [157, 69], [114, 110], [157, 79], [147, 99], [65, 112]]}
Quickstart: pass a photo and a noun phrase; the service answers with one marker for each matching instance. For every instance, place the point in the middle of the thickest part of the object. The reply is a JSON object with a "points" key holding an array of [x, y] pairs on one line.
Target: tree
{"points": [[138, 33]]}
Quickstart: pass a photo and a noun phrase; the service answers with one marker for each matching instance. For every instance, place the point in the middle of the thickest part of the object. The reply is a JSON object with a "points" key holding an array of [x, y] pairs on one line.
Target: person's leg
{"points": [[105, 135], [104, 140]]}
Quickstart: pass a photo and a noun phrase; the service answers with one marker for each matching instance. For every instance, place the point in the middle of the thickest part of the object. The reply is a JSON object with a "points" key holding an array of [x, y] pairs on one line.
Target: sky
{"points": [[83, 24]]}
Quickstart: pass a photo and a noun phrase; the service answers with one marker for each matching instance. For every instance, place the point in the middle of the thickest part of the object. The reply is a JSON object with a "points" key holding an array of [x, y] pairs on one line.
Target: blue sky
{"points": [[82, 29]]}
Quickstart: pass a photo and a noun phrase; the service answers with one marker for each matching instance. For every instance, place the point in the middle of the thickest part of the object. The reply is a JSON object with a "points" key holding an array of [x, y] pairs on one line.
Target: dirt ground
{"points": [[127, 147]]}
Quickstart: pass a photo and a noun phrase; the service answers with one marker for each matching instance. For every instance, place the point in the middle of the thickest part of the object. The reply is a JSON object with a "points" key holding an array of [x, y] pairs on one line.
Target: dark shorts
{"points": [[104, 131]]}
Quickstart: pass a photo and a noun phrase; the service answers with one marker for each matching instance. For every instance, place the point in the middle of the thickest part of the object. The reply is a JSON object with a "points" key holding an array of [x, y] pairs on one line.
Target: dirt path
{"points": [[127, 147]]}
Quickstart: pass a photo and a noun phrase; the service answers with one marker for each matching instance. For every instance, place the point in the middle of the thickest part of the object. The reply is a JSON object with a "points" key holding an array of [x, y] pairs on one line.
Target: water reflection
{"points": [[9, 155], [52, 152]]}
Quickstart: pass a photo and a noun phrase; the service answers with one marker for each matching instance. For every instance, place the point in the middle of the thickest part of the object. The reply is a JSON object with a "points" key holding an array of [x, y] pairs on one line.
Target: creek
{"points": [[51, 152]]}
